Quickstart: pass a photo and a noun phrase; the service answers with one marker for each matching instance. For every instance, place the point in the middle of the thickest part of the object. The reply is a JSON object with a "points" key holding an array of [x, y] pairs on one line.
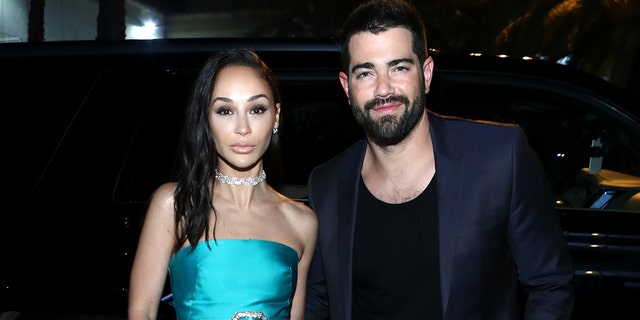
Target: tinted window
{"points": [[316, 124], [561, 124]]}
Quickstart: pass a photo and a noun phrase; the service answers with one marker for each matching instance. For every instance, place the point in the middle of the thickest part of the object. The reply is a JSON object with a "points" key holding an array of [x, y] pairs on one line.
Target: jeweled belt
{"points": [[249, 314]]}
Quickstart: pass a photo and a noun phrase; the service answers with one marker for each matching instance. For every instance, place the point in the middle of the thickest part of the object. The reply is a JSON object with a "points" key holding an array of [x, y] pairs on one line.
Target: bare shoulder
{"points": [[300, 226], [163, 195], [300, 215], [303, 211], [162, 201], [304, 222]]}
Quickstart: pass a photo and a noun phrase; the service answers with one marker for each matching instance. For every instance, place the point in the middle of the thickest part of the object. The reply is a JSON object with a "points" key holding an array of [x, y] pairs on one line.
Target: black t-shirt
{"points": [[396, 272]]}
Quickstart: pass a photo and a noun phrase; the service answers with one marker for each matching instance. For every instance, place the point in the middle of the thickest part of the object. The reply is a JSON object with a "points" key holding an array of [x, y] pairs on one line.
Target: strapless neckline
{"points": [[239, 240], [225, 278]]}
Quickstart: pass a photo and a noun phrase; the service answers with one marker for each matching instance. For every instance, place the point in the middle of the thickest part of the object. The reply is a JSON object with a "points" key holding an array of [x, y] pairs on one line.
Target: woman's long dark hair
{"points": [[194, 191]]}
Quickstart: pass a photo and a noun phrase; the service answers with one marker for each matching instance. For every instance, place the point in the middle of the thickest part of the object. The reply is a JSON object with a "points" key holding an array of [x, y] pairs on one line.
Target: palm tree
{"points": [[600, 37]]}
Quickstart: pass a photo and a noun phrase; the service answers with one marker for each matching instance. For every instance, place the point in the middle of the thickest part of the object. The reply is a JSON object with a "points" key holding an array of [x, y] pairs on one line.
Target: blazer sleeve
{"points": [[535, 234], [317, 303]]}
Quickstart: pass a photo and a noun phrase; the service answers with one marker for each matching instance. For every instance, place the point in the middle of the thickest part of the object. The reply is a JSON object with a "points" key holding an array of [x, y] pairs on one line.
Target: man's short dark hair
{"points": [[378, 16]]}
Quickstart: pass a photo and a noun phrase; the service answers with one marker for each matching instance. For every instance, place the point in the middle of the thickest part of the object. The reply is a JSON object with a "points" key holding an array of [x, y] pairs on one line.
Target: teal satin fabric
{"points": [[234, 276]]}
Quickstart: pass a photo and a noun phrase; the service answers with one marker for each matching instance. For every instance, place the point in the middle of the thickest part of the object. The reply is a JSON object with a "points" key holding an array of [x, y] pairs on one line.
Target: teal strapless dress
{"points": [[234, 279]]}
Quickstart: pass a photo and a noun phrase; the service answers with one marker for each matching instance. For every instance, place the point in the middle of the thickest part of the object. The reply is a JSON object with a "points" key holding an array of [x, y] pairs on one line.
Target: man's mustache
{"points": [[380, 101]]}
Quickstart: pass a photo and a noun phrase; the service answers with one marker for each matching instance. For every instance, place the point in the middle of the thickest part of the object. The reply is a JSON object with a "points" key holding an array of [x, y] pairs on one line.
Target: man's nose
{"points": [[384, 86]]}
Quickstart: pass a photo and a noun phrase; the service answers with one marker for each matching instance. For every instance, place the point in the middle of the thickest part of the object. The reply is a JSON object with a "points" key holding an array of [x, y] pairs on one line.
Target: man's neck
{"points": [[400, 172]]}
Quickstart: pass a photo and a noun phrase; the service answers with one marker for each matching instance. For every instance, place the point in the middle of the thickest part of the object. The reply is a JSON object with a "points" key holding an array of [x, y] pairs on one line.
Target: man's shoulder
{"points": [[343, 161], [469, 128], [454, 136], [462, 122]]}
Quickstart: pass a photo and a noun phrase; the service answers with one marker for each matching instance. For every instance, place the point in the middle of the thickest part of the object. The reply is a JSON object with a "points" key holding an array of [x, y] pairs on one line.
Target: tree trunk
{"points": [[36, 21], [111, 25]]}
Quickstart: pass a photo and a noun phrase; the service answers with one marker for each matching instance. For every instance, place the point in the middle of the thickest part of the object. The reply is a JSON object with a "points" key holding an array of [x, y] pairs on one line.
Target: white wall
{"points": [[66, 19], [13, 17], [70, 20]]}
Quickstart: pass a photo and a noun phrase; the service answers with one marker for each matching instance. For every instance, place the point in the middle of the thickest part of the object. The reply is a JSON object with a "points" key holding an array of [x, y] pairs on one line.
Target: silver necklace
{"points": [[240, 181]]}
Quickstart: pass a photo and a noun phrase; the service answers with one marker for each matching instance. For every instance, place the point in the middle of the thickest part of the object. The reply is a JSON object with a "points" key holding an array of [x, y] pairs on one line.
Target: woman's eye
{"points": [[258, 109], [223, 111]]}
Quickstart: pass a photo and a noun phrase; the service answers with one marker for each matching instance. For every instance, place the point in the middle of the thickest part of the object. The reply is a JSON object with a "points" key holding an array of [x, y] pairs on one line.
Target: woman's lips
{"points": [[242, 148]]}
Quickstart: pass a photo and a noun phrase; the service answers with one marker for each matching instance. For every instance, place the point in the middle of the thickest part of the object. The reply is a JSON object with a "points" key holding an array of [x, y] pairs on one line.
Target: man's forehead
{"points": [[381, 49]]}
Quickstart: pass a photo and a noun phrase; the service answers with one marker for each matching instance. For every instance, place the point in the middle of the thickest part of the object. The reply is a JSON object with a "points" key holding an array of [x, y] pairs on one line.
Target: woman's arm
{"points": [[308, 231], [149, 270]]}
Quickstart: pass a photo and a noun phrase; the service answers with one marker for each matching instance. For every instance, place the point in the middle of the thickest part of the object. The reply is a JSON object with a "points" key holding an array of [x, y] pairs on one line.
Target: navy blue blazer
{"points": [[498, 232]]}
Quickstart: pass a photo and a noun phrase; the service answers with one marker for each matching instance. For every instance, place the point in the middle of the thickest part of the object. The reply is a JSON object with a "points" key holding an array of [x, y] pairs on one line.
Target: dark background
{"points": [[601, 37]]}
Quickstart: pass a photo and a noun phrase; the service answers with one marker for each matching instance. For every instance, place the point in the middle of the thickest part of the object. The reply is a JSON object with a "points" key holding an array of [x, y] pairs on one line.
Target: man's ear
{"points": [[427, 72], [344, 81]]}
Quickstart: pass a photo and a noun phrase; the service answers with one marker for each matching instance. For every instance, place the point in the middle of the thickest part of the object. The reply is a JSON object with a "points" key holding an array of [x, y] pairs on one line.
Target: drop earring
{"points": [[275, 130]]}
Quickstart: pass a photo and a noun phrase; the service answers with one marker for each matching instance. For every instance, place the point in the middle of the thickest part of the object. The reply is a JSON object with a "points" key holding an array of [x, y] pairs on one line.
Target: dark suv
{"points": [[95, 127]]}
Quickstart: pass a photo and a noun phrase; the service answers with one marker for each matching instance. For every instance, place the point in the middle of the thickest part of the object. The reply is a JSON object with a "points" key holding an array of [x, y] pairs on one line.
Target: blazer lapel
{"points": [[450, 171], [346, 203]]}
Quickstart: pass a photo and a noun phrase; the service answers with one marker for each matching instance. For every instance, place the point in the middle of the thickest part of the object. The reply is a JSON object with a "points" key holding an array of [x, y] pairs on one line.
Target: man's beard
{"points": [[389, 129]]}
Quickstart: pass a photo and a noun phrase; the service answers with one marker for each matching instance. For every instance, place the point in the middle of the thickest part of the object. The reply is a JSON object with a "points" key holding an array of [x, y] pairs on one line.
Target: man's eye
{"points": [[363, 74]]}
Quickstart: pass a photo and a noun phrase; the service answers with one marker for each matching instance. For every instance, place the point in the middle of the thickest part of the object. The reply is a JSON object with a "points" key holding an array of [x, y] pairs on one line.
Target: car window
{"points": [[570, 131], [316, 124]]}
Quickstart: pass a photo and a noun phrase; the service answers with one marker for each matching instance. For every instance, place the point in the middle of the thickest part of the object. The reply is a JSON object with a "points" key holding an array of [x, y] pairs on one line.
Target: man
{"points": [[429, 217]]}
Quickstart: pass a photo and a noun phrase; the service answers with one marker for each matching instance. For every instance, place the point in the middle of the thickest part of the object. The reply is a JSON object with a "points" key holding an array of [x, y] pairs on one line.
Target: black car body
{"points": [[91, 128]]}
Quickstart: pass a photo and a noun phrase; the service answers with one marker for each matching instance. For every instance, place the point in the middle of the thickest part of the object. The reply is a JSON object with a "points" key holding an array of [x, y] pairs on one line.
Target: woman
{"points": [[233, 246]]}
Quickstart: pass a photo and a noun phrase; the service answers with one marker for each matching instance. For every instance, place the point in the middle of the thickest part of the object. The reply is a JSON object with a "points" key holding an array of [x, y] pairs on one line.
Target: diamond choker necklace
{"points": [[240, 181]]}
